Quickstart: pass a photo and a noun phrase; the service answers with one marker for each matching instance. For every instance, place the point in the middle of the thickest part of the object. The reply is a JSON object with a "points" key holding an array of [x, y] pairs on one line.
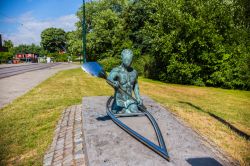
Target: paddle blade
{"points": [[95, 69]]}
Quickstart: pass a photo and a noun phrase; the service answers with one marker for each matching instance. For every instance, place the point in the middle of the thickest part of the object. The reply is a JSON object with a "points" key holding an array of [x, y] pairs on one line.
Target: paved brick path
{"points": [[67, 147]]}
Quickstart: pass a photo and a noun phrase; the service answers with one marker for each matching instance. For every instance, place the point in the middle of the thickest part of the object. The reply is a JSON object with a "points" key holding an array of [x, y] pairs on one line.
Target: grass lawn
{"points": [[205, 109], [27, 125]]}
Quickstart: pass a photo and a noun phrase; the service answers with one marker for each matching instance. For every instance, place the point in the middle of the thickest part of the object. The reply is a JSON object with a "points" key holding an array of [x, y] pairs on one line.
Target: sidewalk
{"points": [[15, 86]]}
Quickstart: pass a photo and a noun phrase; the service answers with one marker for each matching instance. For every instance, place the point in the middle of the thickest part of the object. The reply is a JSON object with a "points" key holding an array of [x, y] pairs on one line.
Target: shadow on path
{"points": [[204, 161], [233, 128], [103, 118]]}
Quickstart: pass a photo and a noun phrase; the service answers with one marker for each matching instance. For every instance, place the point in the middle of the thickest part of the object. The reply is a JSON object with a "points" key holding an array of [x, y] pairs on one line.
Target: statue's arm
{"points": [[113, 77], [137, 92]]}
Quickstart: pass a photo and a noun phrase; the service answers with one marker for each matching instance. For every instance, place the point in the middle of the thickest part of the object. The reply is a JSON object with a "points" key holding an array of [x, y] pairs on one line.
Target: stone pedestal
{"points": [[108, 145]]}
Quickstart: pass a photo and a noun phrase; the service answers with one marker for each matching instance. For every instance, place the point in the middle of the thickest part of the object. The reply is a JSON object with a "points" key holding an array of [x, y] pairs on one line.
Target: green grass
{"points": [[27, 125], [233, 105], [195, 105]]}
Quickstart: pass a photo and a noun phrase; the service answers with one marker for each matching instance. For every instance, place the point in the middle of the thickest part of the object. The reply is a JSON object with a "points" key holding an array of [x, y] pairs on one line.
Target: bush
{"points": [[60, 57], [5, 57], [109, 63], [141, 64]]}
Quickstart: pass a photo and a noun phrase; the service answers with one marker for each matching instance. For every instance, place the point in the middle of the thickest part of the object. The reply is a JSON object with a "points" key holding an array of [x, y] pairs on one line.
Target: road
{"points": [[8, 71], [17, 80]]}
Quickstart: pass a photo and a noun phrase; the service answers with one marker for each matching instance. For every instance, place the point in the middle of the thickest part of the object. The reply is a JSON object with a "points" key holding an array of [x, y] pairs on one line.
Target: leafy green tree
{"points": [[23, 49], [7, 56], [59, 57], [74, 43], [53, 39], [192, 45], [106, 36], [8, 44], [203, 43]]}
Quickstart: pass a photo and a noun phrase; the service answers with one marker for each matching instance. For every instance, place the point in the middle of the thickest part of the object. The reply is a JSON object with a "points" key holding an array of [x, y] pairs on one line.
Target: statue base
{"points": [[106, 144]]}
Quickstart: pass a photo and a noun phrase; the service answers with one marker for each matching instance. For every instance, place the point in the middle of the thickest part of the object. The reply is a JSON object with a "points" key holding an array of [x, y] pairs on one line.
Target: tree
{"points": [[7, 56], [23, 49], [106, 36], [190, 45], [186, 42], [8, 44], [74, 44], [53, 39]]}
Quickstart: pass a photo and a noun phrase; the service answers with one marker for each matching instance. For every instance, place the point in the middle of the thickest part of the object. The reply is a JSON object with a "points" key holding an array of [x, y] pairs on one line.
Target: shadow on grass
{"points": [[233, 128]]}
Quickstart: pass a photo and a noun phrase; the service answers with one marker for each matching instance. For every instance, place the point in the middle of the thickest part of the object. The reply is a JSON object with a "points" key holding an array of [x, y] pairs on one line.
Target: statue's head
{"points": [[127, 57]]}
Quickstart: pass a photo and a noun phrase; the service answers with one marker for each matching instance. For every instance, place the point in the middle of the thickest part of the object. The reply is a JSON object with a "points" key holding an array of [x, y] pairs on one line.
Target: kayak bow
{"points": [[161, 149]]}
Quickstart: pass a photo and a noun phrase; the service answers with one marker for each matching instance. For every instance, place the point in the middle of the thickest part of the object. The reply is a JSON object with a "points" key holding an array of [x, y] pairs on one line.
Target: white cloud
{"points": [[9, 20], [30, 28]]}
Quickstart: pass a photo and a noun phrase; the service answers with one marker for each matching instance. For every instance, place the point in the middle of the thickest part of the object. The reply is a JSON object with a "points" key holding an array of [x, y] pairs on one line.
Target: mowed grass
{"points": [[204, 108], [27, 125]]}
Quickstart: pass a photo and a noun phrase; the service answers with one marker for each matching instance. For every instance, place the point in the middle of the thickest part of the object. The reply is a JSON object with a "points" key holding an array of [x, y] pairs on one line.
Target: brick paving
{"points": [[67, 147]]}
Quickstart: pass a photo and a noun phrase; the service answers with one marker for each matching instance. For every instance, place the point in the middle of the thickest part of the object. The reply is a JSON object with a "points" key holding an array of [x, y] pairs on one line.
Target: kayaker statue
{"points": [[125, 77]]}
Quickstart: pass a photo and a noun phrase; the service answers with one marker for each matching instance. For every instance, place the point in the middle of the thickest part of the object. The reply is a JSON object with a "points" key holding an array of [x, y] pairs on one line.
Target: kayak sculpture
{"points": [[124, 81]]}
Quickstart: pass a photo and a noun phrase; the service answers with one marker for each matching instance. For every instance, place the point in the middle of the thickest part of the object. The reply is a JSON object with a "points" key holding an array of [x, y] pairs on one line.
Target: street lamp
{"points": [[84, 32]]}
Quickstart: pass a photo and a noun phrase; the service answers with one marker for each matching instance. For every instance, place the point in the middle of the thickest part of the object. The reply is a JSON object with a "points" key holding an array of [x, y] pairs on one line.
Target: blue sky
{"points": [[22, 21]]}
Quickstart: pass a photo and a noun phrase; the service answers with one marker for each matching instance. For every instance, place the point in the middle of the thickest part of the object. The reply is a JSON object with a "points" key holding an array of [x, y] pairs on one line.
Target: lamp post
{"points": [[84, 32]]}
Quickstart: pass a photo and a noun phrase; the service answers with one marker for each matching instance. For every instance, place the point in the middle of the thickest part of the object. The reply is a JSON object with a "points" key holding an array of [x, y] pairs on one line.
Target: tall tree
{"points": [[53, 39], [8, 44], [74, 44], [105, 28], [7, 56], [23, 48], [189, 44], [182, 41]]}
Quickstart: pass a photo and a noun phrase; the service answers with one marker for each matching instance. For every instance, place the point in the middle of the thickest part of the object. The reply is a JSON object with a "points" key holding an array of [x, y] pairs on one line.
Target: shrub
{"points": [[109, 63]]}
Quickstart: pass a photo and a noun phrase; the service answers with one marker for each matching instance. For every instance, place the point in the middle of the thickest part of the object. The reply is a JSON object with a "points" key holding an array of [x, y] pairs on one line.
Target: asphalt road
{"points": [[8, 71], [16, 81]]}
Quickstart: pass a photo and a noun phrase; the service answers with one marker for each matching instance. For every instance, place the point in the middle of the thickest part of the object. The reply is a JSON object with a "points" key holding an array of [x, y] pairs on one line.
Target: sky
{"points": [[22, 21]]}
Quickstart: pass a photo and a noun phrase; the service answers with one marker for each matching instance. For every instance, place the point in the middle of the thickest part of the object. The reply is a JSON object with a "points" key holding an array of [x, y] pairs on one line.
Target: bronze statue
{"points": [[125, 77]]}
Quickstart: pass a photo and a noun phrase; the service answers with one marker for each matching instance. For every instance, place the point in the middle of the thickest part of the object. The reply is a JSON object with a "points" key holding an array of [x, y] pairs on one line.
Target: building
{"points": [[33, 58]]}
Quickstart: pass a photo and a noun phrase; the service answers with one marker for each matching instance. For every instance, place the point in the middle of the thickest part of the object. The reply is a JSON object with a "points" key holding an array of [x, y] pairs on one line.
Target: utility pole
{"points": [[84, 32]]}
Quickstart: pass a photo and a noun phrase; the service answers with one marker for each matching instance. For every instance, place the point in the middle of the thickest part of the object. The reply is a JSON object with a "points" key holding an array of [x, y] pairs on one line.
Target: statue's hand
{"points": [[116, 84], [140, 102]]}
